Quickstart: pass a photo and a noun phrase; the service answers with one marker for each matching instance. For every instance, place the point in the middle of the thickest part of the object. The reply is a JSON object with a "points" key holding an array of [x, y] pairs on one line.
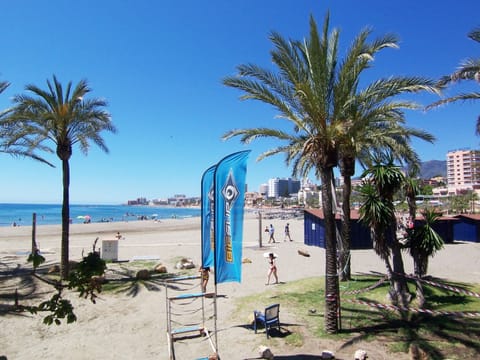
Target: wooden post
{"points": [[260, 229], [34, 241], [34, 230]]}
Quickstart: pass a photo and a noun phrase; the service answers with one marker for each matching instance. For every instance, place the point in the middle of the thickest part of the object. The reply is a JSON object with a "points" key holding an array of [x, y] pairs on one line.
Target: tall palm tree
{"points": [[21, 148], [302, 90], [469, 69], [370, 118], [384, 179], [65, 118]]}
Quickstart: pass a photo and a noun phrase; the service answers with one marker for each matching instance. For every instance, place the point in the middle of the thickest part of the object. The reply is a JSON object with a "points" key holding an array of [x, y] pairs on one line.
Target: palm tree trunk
{"points": [[65, 219], [345, 272], [332, 293], [418, 274], [399, 280]]}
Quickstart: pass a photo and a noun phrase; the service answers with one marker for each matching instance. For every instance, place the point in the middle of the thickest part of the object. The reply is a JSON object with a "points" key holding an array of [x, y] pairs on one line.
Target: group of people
{"points": [[272, 266], [271, 232]]}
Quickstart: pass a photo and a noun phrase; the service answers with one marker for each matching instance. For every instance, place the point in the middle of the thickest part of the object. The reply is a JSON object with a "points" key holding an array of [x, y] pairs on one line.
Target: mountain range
{"points": [[432, 168]]}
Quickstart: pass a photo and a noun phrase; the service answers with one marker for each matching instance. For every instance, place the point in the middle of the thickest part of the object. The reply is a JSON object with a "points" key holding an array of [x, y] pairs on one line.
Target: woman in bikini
{"points": [[272, 269]]}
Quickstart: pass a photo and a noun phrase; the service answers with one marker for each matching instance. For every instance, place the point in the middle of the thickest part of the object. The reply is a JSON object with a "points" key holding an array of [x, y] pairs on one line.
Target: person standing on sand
{"points": [[272, 268], [205, 275], [271, 231], [287, 233]]}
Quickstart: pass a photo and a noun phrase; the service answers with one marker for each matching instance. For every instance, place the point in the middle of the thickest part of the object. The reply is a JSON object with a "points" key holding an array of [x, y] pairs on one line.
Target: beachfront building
{"points": [[138, 201], [282, 187], [463, 171], [263, 189], [253, 199]]}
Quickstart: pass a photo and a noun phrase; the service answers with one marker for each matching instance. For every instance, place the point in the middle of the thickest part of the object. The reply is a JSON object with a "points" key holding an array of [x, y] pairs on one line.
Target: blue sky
{"points": [[160, 64]]}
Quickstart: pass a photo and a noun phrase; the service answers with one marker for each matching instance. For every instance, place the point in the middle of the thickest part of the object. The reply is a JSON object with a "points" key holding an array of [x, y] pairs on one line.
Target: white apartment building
{"points": [[463, 170], [282, 187]]}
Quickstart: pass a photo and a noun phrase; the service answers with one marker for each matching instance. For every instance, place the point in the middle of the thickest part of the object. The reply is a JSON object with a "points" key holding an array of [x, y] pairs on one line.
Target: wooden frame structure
{"points": [[194, 329]]}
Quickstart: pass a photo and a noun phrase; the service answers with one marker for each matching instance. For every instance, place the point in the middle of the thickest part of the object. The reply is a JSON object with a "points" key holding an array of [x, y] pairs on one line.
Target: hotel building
{"points": [[463, 170]]}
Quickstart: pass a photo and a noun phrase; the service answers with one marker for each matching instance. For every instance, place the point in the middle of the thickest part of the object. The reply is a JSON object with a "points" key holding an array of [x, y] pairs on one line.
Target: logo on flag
{"points": [[229, 188]]}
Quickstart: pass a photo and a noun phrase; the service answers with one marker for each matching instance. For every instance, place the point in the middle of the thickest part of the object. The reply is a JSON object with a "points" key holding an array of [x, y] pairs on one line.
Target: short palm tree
{"points": [[468, 70], [383, 179], [65, 118], [424, 243]]}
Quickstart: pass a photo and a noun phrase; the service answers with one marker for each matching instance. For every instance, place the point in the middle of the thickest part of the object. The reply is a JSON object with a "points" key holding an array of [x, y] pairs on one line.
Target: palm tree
{"points": [[370, 118], [424, 243], [22, 148], [3, 85], [469, 69], [65, 118], [302, 91], [380, 125], [383, 180]]}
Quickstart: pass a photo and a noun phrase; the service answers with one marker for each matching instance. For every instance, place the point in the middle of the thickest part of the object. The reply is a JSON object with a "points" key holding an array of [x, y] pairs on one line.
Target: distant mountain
{"points": [[432, 168]]}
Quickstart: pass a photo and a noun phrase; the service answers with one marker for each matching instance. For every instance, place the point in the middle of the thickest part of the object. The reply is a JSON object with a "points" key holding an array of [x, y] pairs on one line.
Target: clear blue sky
{"points": [[160, 64]]}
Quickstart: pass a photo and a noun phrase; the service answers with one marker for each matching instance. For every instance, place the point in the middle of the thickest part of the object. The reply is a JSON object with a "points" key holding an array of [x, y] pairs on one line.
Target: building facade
{"points": [[463, 170], [282, 187]]}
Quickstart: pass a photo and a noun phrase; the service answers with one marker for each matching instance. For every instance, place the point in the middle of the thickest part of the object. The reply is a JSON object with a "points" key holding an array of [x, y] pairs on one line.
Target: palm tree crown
{"points": [[469, 69], [63, 117]]}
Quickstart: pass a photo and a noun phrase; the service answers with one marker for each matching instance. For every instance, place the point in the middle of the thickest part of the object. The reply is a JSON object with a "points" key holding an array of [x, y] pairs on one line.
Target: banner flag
{"points": [[229, 188], [208, 218]]}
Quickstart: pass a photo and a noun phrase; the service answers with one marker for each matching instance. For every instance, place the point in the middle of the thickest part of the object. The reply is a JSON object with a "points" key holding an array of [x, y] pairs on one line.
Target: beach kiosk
{"points": [[109, 250]]}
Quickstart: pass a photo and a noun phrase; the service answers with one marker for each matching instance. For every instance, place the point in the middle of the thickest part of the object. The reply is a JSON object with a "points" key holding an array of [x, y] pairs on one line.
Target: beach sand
{"points": [[119, 326]]}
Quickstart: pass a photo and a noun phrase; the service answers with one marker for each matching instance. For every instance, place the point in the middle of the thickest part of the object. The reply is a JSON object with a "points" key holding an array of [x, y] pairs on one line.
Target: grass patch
{"points": [[439, 335]]}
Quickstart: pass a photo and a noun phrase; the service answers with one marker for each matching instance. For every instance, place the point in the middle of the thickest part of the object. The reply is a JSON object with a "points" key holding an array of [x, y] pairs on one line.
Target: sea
{"points": [[51, 214]]}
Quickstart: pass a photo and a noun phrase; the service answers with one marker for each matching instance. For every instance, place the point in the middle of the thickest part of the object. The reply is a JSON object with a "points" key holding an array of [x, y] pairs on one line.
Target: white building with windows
{"points": [[463, 170], [282, 187]]}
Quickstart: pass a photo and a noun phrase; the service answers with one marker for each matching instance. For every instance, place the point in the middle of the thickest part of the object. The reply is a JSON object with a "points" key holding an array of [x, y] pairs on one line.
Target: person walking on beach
{"points": [[287, 233], [271, 231], [272, 268]]}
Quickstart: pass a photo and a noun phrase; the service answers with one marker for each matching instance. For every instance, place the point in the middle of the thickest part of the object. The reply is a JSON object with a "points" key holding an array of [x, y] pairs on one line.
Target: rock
{"points": [[251, 319], [54, 269], [417, 353], [327, 354], [303, 253], [143, 274], [265, 352], [185, 264], [96, 282], [160, 269], [360, 355], [98, 279]]}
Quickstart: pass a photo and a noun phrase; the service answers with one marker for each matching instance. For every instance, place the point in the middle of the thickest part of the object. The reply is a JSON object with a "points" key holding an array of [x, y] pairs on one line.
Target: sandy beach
{"points": [[134, 327]]}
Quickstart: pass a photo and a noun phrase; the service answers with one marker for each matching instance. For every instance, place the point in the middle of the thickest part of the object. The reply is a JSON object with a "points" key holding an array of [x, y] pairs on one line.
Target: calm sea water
{"points": [[49, 214]]}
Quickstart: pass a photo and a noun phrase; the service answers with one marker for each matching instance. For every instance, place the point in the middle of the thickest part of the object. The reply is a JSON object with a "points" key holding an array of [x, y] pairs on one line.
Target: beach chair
{"points": [[268, 319]]}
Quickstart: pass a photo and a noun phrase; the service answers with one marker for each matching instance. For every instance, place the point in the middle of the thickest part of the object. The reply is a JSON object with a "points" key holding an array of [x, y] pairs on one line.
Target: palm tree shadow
{"points": [[17, 286], [419, 330], [126, 281]]}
